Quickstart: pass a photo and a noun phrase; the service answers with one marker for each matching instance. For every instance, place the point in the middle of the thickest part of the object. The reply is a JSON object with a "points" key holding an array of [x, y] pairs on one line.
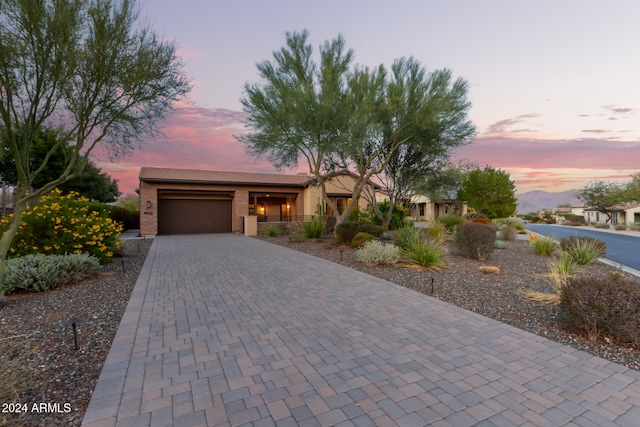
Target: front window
{"points": [[341, 203]]}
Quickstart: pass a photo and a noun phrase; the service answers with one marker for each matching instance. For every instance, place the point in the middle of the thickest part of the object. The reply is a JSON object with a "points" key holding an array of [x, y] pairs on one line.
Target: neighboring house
{"points": [[626, 213], [185, 201], [422, 208], [573, 210]]}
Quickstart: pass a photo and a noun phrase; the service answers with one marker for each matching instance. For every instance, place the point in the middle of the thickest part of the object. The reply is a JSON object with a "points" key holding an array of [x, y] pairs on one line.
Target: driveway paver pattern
{"points": [[227, 330]]}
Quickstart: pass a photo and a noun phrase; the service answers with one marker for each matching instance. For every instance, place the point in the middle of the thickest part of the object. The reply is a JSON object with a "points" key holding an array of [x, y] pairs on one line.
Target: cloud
{"points": [[196, 137], [192, 138], [503, 126], [555, 165], [619, 110]]}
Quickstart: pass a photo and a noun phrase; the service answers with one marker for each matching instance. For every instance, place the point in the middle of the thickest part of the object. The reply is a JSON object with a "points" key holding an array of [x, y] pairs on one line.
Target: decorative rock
{"points": [[488, 269]]}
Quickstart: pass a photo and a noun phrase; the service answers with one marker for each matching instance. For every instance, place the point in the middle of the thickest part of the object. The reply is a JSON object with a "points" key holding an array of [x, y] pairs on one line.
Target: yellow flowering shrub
{"points": [[66, 224]]}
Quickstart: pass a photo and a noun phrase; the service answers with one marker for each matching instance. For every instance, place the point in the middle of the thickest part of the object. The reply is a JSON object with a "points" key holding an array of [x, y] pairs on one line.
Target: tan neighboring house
{"points": [[626, 213], [186, 201], [422, 208]]}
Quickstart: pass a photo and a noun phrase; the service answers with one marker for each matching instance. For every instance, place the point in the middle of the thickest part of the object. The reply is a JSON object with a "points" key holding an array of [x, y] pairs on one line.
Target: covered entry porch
{"points": [[273, 206]]}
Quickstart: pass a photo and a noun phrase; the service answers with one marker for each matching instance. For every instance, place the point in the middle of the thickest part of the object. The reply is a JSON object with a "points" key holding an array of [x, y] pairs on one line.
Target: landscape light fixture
{"points": [[433, 278], [341, 252], [73, 322]]}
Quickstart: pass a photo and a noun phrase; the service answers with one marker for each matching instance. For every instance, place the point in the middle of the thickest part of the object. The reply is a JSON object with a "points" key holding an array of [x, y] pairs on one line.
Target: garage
{"points": [[186, 214]]}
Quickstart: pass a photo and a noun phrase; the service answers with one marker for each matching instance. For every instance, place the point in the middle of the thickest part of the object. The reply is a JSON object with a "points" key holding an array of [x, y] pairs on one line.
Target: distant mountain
{"points": [[533, 201]]}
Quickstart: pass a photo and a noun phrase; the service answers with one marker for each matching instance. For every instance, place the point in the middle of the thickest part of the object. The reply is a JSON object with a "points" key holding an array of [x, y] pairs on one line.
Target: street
{"points": [[621, 248]]}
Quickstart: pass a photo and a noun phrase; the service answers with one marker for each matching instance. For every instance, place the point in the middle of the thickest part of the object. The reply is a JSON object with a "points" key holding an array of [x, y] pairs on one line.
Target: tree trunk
{"points": [[386, 221], [7, 236]]}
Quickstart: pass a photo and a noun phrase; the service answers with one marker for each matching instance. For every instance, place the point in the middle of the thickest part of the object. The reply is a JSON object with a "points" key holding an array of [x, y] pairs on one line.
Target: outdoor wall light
{"points": [[148, 204]]}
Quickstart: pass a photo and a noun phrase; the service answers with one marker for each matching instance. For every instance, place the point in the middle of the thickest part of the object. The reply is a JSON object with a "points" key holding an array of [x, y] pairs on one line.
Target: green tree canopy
{"points": [[422, 119], [87, 69], [490, 192], [602, 196], [91, 183], [632, 189], [393, 125]]}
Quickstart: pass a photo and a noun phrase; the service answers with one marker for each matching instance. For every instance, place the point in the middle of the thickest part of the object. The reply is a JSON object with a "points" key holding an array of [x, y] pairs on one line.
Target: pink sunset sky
{"points": [[554, 85]]}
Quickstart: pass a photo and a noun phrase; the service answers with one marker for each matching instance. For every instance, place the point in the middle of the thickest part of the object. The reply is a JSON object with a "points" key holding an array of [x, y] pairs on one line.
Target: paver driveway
{"points": [[229, 330]]}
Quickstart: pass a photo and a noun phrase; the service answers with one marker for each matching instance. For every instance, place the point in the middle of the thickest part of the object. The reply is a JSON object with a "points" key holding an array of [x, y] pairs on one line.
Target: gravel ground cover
{"points": [[38, 348], [495, 296]]}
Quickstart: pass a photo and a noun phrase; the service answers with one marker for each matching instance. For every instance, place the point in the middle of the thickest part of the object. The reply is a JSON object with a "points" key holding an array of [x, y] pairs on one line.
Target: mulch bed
{"points": [[38, 345]]}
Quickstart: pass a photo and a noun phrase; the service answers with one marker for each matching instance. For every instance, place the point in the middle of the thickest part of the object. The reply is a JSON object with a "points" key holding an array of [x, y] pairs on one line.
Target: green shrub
{"points": [[635, 226], [272, 230], [375, 252], [620, 227], [60, 225], [602, 225], [508, 233], [386, 235], [314, 228], [346, 231], [475, 240], [500, 244], [41, 273], [450, 221], [361, 238], [544, 245], [373, 229], [583, 250], [130, 219], [407, 236], [430, 254], [398, 215], [603, 307]]}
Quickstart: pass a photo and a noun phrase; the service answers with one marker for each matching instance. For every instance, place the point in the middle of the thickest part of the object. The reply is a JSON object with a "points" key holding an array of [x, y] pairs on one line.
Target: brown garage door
{"points": [[185, 216]]}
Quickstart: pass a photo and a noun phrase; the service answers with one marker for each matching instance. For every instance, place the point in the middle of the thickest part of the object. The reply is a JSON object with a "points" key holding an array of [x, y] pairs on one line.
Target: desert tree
{"points": [[422, 120], [300, 108], [632, 189], [489, 191], [443, 183], [90, 70], [92, 183], [602, 196], [345, 119]]}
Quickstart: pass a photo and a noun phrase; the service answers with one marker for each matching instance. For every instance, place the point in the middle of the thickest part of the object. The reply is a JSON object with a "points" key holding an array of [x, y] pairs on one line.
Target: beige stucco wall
{"points": [[239, 203], [339, 185]]}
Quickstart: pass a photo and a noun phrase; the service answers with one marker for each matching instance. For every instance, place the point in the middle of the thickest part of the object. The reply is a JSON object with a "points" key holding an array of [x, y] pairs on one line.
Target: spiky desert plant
{"points": [[429, 254], [543, 245]]}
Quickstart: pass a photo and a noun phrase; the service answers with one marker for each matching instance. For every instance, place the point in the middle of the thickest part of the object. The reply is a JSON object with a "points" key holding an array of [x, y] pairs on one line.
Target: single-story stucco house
{"points": [[186, 201], [422, 208], [626, 213]]}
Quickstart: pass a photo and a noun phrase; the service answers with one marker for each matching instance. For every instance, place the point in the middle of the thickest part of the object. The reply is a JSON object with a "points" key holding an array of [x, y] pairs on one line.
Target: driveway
{"points": [[228, 330]]}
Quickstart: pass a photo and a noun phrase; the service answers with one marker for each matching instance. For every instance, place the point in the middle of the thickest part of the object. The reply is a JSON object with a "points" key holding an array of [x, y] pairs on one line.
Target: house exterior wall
{"points": [[633, 215], [339, 185], [628, 216], [239, 202]]}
